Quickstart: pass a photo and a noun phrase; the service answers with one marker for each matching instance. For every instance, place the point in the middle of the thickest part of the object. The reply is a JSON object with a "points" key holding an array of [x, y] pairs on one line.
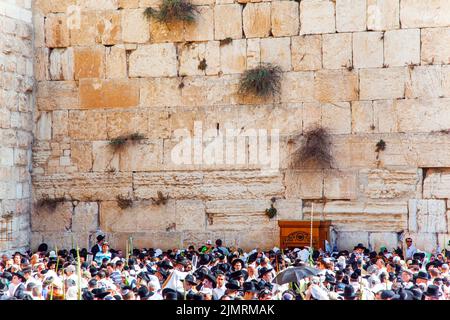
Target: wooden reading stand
{"points": [[296, 234]]}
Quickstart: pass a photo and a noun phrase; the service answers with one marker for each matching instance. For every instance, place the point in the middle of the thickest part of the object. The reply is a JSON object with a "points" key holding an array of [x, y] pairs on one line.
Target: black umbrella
{"points": [[295, 274]]}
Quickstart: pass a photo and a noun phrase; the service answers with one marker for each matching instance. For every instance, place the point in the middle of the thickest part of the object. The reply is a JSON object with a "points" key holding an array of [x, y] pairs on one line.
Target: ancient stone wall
{"points": [[16, 123], [367, 70]]}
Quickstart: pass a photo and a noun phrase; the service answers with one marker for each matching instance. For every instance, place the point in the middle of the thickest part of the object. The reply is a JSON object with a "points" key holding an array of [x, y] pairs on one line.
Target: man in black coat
{"points": [[18, 280], [98, 246]]}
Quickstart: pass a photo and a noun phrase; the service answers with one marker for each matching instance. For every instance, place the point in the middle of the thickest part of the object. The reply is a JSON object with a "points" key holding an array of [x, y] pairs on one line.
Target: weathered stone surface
{"points": [[81, 155], [254, 53], [227, 21], [297, 87], [425, 82], [160, 92], [367, 50], [84, 31], [135, 27], [426, 13], [436, 183], [336, 85], [402, 47], [61, 64], [85, 217], [304, 184], [385, 83], [89, 62], [348, 240], [116, 62], [190, 215], [434, 46], [256, 20], [172, 31], [340, 185], [82, 123], [56, 95], [104, 159], [276, 51], [391, 184], [46, 219], [142, 156], [317, 17], [383, 14], [56, 31], [203, 27], [233, 57], [427, 215], [109, 31], [351, 15], [337, 50], [289, 209], [155, 60], [108, 93], [306, 53], [285, 18], [388, 240]]}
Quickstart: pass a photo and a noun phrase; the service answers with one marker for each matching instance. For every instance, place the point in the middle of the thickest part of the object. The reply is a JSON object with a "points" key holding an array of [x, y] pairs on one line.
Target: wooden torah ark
{"points": [[296, 234]]}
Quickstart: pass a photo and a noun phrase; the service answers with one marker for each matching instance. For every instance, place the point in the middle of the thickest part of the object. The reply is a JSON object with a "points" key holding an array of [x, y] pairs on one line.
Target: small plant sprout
{"points": [[272, 211], [172, 10], [380, 146], [124, 202], [120, 142], [202, 65], [262, 81]]}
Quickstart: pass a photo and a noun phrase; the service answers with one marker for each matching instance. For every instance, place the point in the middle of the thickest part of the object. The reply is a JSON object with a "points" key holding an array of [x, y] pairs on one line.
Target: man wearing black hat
{"points": [[250, 291], [98, 246], [19, 288], [232, 288]]}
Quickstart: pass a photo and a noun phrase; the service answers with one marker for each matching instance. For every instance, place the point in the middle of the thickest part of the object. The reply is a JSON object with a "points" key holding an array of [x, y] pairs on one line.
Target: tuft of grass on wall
{"points": [[316, 148], [173, 10], [262, 81]]}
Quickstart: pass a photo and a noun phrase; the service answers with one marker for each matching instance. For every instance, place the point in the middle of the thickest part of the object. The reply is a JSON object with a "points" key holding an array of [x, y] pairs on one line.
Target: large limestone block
{"points": [[277, 51], [425, 13], [104, 159], [341, 185], [351, 15], [317, 17], [53, 95], [362, 117], [256, 20], [142, 156], [60, 120], [384, 83], [158, 92], [44, 126], [172, 31], [305, 184], [383, 14], [425, 82], [87, 125], [402, 47], [337, 117], [427, 215], [203, 27], [367, 49], [46, 219], [285, 18], [337, 50], [233, 57], [155, 60], [85, 217], [435, 48], [422, 115], [135, 27], [289, 209], [99, 4], [388, 240], [61, 64], [81, 155], [297, 87], [190, 215], [125, 123], [109, 31], [391, 184], [84, 32], [116, 62], [142, 216], [89, 62], [336, 85], [436, 183], [306, 52], [266, 239], [227, 21], [348, 240], [113, 93], [62, 239], [254, 53], [56, 31]]}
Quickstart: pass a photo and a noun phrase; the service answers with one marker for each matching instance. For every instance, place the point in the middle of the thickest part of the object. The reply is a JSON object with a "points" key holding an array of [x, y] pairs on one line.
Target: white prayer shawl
{"points": [[174, 282]]}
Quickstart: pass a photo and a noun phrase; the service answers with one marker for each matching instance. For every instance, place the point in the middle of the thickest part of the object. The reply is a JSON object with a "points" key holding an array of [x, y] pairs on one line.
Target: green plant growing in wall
{"points": [[120, 142], [272, 211], [172, 10], [380, 146], [315, 148], [262, 81], [202, 65]]}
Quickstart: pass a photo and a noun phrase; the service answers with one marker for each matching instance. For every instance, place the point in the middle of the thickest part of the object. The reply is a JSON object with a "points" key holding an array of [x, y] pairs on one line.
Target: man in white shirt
{"points": [[410, 249]]}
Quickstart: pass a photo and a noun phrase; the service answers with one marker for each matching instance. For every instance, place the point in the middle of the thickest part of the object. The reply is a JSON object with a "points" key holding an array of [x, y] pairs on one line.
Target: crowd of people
{"points": [[217, 272]]}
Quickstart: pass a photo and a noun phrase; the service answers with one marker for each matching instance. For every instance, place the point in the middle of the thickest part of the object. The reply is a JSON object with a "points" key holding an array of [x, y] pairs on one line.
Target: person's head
{"points": [[408, 242], [406, 276], [218, 242], [69, 270], [105, 247], [265, 294], [100, 239], [220, 280], [17, 258]]}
